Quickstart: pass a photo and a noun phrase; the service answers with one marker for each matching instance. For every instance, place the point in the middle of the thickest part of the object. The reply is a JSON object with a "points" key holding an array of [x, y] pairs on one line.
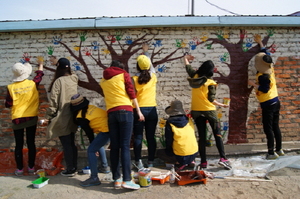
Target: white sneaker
{"points": [[130, 185], [280, 152], [272, 157], [139, 164]]}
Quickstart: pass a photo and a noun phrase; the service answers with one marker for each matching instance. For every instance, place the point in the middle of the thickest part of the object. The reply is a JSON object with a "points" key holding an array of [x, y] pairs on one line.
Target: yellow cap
{"points": [[143, 62]]}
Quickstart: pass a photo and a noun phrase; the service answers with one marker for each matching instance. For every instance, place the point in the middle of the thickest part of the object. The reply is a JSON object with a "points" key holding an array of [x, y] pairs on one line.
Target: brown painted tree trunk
{"points": [[237, 81]]}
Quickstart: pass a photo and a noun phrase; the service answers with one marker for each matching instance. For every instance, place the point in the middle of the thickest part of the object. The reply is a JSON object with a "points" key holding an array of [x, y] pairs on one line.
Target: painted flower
{"points": [[162, 123]]}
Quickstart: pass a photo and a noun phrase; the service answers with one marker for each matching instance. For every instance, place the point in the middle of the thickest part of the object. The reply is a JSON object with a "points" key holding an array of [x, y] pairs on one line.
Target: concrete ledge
{"points": [[230, 149], [251, 148]]}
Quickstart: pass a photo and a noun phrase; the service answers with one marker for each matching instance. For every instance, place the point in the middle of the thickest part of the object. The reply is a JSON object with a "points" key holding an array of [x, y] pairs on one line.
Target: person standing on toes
{"points": [[92, 120], [59, 115], [23, 99], [203, 108], [145, 85], [267, 95], [119, 95]]}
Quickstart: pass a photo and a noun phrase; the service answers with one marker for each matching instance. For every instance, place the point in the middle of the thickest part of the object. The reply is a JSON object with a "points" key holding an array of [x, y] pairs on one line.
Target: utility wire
{"points": [[221, 8]]}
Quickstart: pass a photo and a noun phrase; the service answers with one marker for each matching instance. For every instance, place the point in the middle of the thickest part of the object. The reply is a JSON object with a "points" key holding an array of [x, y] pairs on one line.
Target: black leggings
{"points": [[270, 119], [200, 118], [30, 141], [70, 151]]}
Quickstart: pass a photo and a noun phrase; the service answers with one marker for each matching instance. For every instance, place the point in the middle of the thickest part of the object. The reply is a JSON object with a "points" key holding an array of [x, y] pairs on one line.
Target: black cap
{"points": [[63, 63]]}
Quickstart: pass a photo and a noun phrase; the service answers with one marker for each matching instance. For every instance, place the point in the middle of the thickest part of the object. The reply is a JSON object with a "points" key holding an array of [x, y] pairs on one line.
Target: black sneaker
{"points": [[103, 170], [68, 173], [80, 172], [90, 182]]}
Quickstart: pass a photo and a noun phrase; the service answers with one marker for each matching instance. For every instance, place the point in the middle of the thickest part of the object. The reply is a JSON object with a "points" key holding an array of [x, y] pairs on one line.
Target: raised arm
{"points": [[145, 47], [186, 59]]}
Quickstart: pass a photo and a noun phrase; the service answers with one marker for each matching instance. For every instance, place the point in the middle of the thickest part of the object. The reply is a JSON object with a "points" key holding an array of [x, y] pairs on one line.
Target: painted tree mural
{"points": [[117, 46], [239, 54], [121, 47]]}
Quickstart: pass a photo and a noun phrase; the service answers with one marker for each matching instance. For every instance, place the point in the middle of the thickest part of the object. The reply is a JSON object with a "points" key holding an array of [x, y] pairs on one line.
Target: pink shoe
{"points": [[19, 172], [31, 171], [203, 165], [181, 168], [225, 163], [192, 164]]}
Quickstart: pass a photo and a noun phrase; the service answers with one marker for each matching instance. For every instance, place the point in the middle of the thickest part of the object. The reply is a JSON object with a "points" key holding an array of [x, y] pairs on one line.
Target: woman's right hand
{"points": [[44, 122], [40, 61], [145, 47], [141, 117], [189, 57]]}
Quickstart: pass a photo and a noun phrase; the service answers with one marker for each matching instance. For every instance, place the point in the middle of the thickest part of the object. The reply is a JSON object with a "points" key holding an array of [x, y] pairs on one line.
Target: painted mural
{"points": [[235, 55], [116, 47], [237, 59]]}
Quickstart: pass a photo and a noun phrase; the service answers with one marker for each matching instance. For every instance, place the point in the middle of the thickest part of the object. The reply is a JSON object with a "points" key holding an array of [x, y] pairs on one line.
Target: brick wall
{"points": [[287, 71], [231, 49]]}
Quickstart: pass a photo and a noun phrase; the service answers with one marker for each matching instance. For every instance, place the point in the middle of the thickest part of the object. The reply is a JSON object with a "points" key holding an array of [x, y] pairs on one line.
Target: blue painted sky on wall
{"points": [[56, 9]]}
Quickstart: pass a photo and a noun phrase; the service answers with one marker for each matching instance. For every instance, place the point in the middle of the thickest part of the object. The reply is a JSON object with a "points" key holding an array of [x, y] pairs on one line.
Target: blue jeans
{"points": [[188, 159], [149, 124], [270, 120], [120, 124], [97, 145]]}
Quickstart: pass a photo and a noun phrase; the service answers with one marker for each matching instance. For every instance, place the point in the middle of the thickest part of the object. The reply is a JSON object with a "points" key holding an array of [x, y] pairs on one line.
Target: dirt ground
{"points": [[284, 184]]}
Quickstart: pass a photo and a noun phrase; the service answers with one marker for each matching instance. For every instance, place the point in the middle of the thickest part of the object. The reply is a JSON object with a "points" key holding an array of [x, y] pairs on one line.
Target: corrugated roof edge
{"points": [[148, 21]]}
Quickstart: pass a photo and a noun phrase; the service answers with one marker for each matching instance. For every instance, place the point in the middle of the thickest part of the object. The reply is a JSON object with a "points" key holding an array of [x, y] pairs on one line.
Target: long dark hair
{"points": [[83, 114], [206, 69], [117, 63], [63, 69], [144, 76]]}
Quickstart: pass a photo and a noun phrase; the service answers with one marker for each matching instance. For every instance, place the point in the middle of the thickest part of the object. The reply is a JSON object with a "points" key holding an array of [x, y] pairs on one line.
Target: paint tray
{"points": [[187, 177], [161, 179], [40, 182]]}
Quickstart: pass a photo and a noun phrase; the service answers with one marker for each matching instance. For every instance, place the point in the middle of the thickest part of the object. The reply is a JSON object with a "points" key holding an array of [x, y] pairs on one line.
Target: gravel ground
{"points": [[284, 184]]}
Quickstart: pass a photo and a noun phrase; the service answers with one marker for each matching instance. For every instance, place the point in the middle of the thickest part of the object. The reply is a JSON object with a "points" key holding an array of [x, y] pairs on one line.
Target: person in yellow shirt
{"points": [[92, 120], [180, 136], [23, 99], [145, 85], [119, 95], [267, 95], [203, 108]]}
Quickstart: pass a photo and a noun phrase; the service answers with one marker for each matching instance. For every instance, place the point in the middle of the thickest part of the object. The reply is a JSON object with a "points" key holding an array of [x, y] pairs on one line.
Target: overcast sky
{"points": [[57, 9]]}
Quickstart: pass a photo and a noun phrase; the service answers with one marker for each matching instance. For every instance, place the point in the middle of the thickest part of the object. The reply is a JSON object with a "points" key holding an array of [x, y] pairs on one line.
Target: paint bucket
{"points": [[145, 178], [41, 173], [86, 170], [226, 101]]}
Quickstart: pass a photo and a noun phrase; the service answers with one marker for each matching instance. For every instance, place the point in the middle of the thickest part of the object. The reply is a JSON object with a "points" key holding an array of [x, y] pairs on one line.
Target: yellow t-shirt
{"points": [[272, 93], [97, 117], [25, 99], [115, 92], [200, 100], [146, 93], [185, 142]]}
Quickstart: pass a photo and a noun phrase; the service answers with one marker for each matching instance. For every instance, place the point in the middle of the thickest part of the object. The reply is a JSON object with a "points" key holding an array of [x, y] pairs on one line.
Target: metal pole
{"points": [[192, 8]]}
